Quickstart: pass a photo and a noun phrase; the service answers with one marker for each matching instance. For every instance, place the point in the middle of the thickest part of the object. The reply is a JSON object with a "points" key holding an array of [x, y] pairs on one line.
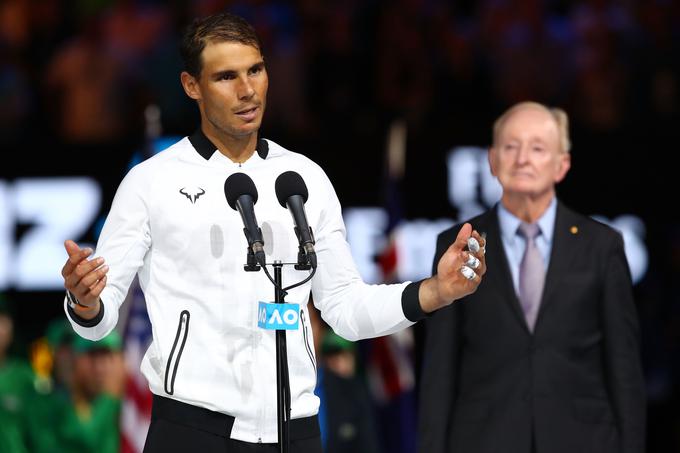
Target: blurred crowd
{"points": [[100, 76], [84, 72], [80, 76], [66, 398]]}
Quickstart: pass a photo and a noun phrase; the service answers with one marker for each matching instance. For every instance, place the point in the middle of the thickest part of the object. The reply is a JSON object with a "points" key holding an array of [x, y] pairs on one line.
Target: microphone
{"points": [[241, 195], [291, 192]]}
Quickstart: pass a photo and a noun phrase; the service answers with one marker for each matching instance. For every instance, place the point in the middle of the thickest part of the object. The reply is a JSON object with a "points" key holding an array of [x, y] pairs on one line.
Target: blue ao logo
{"points": [[273, 316]]}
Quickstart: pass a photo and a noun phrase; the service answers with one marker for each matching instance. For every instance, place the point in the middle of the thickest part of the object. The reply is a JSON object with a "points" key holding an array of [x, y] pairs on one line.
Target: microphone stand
{"points": [[282, 374]]}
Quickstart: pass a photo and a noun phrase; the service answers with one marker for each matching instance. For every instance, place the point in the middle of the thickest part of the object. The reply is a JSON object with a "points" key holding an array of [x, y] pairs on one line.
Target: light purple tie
{"points": [[531, 274]]}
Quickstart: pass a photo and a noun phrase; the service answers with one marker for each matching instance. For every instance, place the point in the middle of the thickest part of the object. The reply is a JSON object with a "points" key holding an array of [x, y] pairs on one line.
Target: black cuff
{"points": [[410, 303], [86, 322]]}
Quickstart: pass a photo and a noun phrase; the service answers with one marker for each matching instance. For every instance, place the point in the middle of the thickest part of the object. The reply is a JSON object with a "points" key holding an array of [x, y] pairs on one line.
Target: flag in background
{"points": [[395, 165], [390, 366], [136, 407]]}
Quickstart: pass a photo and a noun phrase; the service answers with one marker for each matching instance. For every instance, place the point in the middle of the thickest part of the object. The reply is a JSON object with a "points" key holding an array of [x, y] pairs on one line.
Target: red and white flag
{"points": [[136, 408]]}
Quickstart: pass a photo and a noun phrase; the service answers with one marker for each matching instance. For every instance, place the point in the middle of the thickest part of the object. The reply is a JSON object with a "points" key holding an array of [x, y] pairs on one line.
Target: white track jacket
{"points": [[170, 224]]}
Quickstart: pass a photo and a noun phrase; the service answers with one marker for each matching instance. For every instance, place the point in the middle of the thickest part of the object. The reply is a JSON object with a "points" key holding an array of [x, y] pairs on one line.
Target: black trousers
{"points": [[178, 427]]}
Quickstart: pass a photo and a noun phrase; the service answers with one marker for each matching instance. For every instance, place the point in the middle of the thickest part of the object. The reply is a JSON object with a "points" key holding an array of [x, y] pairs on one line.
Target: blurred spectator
{"points": [[346, 414], [523, 50], [404, 74], [132, 29], [600, 79], [14, 23], [16, 388], [88, 93], [15, 99], [85, 417], [340, 96], [138, 36], [60, 337]]}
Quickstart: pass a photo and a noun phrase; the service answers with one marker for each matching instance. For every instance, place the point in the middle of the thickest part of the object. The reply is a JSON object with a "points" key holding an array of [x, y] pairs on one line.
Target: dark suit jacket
{"points": [[575, 385]]}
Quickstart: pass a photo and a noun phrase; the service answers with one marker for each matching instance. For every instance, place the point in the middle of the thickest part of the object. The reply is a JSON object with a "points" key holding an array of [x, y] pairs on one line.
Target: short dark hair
{"points": [[223, 27]]}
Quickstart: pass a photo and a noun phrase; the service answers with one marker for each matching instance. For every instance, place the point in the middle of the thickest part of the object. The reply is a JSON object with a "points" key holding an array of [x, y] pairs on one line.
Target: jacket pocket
{"points": [[173, 360], [307, 336]]}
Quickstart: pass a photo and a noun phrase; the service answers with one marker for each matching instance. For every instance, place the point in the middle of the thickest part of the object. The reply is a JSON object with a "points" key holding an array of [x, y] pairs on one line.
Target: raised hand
{"points": [[459, 271], [84, 278]]}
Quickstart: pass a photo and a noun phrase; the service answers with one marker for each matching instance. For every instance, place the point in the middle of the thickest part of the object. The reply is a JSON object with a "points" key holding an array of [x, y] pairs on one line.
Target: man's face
{"points": [[527, 159], [84, 379], [231, 90]]}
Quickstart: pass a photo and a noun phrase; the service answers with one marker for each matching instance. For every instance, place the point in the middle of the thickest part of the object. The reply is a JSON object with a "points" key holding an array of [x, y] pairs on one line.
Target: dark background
{"points": [[77, 77]]}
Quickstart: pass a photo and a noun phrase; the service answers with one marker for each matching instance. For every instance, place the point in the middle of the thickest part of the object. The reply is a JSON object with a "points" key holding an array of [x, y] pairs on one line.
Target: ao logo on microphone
{"points": [[273, 316]]}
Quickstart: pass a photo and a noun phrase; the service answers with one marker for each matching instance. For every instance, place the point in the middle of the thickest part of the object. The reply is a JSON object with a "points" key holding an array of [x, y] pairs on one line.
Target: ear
{"points": [[190, 85], [493, 157], [563, 166]]}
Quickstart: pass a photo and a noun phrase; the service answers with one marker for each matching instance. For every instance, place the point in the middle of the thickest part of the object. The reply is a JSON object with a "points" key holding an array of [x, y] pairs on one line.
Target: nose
{"points": [[245, 89], [523, 154]]}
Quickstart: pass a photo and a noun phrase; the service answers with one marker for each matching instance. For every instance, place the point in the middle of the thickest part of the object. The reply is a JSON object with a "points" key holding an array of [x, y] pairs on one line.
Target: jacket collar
{"points": [[206, 148]]}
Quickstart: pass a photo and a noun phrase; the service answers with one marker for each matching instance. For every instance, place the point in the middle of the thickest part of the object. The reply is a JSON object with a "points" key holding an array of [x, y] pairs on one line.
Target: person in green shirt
{"points": [[16, 387], [83, 416]]}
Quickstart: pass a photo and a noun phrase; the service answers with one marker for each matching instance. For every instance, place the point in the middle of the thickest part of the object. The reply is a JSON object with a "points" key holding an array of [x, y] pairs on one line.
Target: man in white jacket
{"points": [[210, 367]]}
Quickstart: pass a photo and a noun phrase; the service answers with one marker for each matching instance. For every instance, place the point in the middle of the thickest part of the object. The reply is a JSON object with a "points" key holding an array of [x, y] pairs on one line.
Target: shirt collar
{"points": [[509, 223], [206, 148]]}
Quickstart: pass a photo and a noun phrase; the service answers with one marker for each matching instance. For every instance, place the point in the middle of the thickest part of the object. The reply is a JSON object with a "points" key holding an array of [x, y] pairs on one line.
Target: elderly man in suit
{"points": [[544, 357]]}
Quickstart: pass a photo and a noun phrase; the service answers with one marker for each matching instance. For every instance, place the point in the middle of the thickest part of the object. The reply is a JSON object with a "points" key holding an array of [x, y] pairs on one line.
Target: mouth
{"points": [[248, 114]]}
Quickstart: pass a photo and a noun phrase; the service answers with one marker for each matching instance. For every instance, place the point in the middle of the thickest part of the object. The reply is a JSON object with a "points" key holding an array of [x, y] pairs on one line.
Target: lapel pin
{"points": [[573, 229]]}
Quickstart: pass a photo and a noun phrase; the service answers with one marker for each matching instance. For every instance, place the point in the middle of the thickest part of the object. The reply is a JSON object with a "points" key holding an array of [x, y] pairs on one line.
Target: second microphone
{"points": [[291, 191]]}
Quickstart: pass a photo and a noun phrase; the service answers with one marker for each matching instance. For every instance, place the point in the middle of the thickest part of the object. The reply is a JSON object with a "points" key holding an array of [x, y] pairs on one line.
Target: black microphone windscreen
{"points": [[239, 184], [290, 183]]}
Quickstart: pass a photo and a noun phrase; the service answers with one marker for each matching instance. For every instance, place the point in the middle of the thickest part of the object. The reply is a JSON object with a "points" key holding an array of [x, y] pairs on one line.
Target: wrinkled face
{"points": [[527, 159], [231, 90]]}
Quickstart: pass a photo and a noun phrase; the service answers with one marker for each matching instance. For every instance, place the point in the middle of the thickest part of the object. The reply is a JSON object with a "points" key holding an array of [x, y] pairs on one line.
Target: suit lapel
{"points": [[564, 250], [498, 274]]}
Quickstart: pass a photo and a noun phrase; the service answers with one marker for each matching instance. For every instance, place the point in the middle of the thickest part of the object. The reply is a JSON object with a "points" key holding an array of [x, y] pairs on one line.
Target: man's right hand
{"points": [[84, 278]]}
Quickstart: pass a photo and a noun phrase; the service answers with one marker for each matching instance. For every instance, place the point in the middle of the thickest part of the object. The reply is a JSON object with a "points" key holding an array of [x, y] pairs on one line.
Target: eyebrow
{"points": [[232, 72], [531, 139]]}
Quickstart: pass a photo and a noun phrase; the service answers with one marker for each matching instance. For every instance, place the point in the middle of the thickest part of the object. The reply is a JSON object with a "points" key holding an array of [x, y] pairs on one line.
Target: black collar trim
{"points": [[206, 148], [262, 148], [202, 144]]}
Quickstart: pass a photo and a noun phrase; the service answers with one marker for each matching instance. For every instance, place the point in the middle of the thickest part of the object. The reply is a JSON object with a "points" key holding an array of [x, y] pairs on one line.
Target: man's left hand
{"points": [[459, 272]]}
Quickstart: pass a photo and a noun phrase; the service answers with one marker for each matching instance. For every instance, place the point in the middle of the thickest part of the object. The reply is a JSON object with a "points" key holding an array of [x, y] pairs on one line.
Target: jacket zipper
{"points": [[306, 338], [183, 332]]}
